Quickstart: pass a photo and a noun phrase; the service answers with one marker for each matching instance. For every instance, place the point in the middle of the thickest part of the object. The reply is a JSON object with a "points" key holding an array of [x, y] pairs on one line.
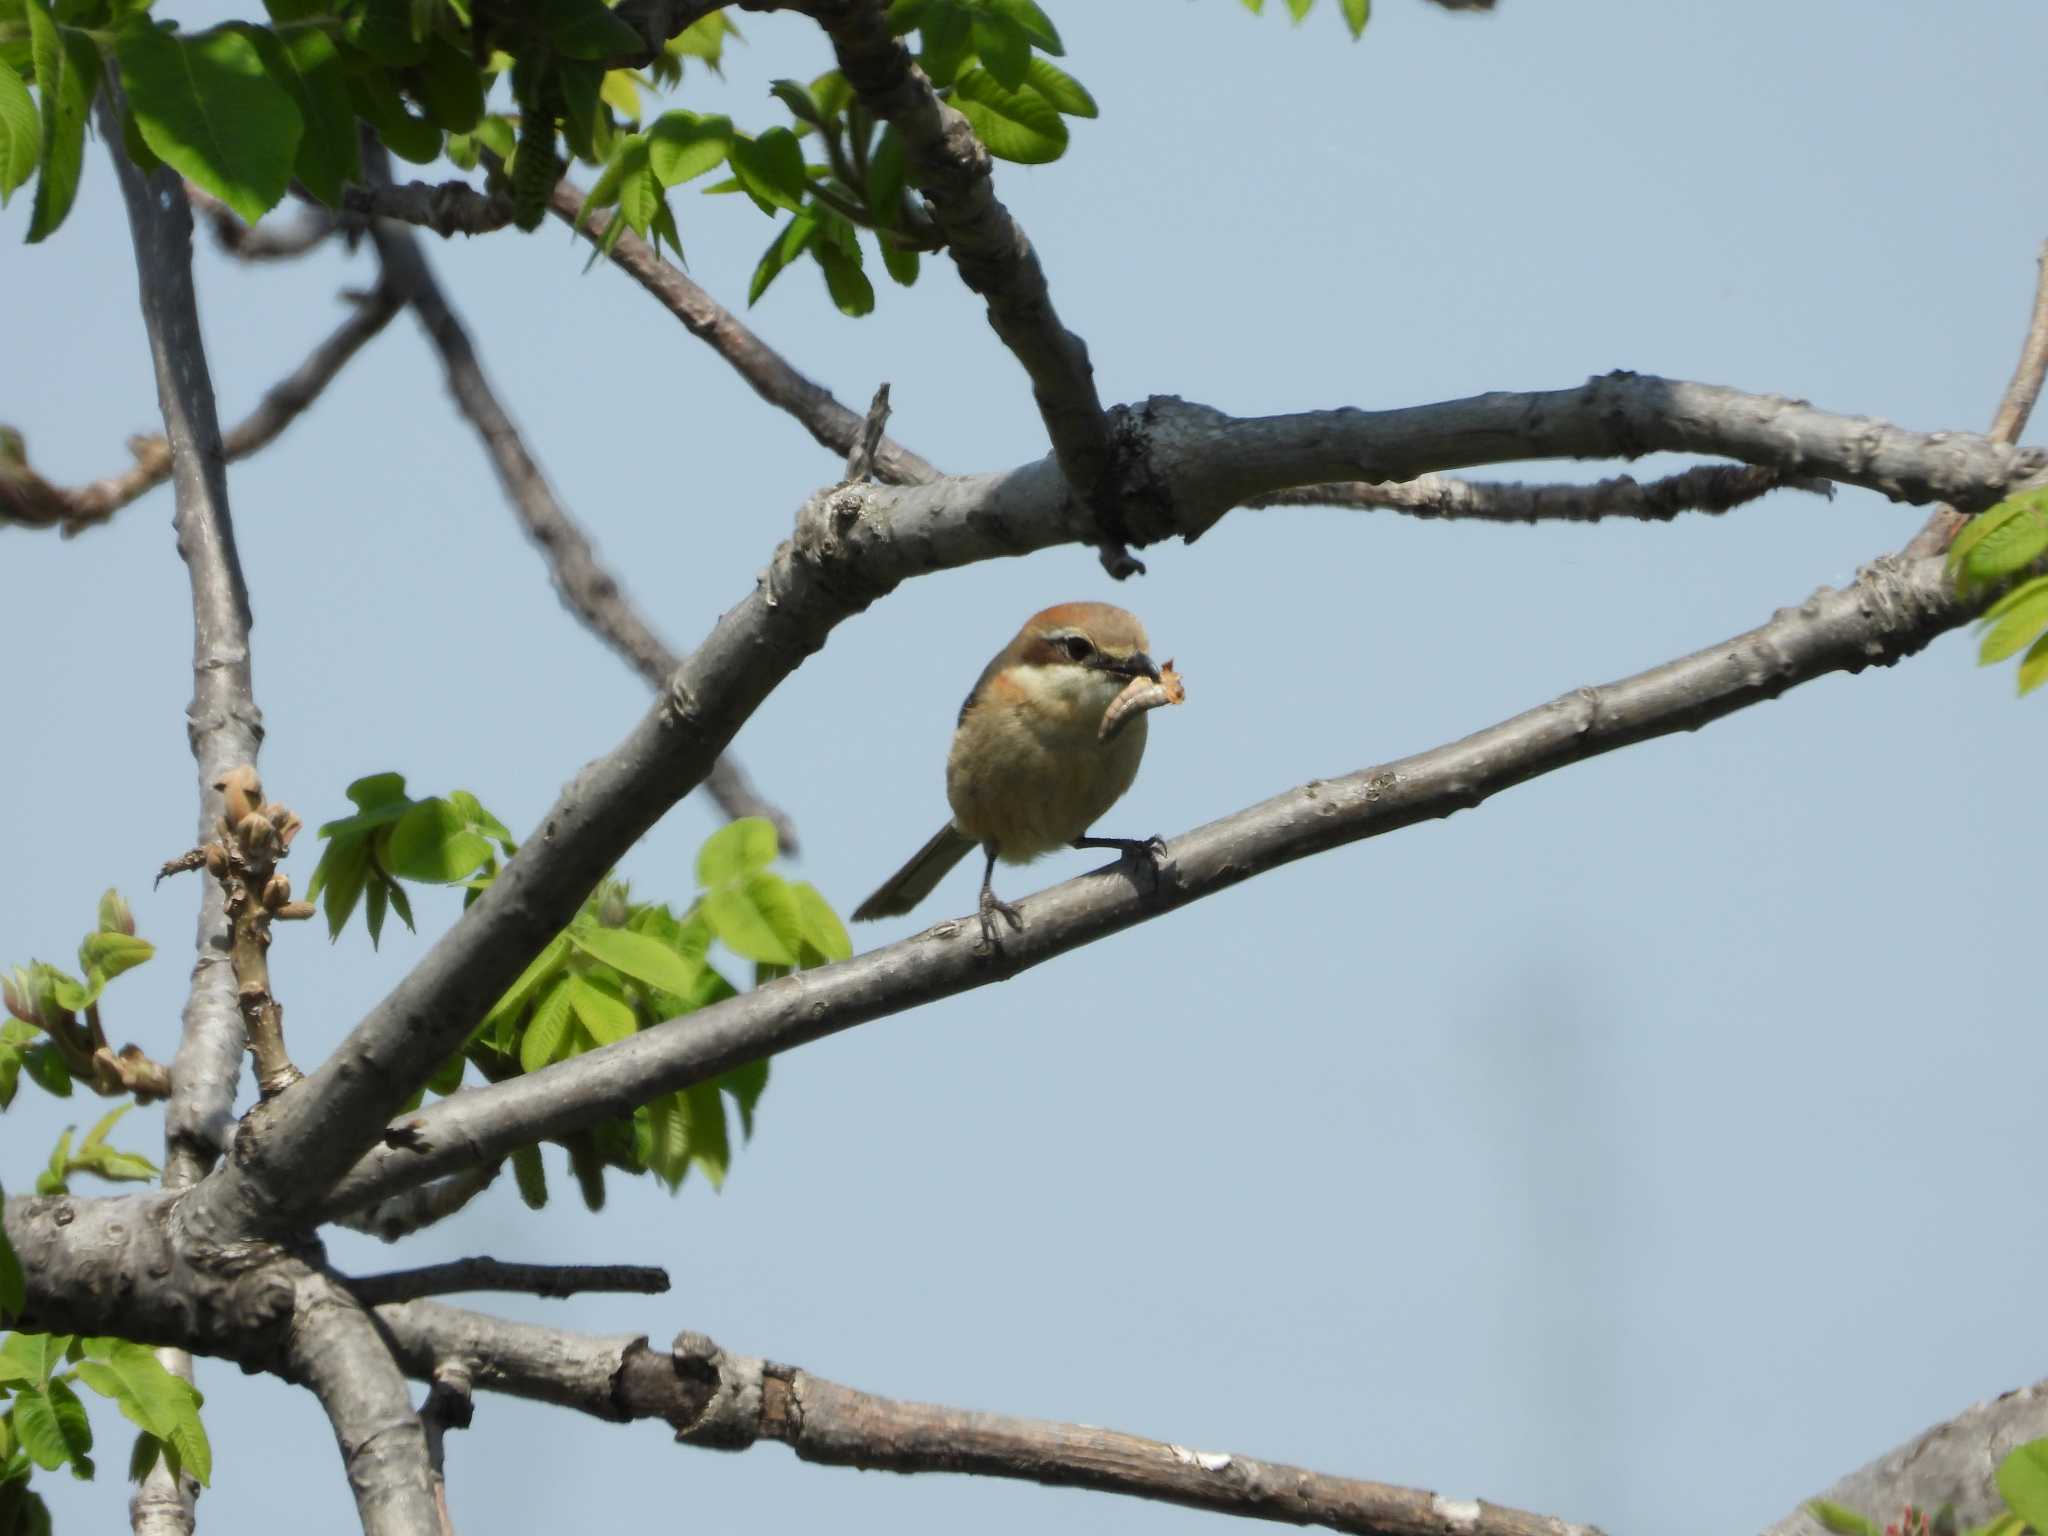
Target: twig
{"points": [[261, 242], [731, 1402], [29, 500], [1712, 488], [449, 208], [449, 1405], [415, 1210], [2014, 407], [860, 461], [815, 408], [951, 167], [1890, 611], [486, 1274], [585, 587]]}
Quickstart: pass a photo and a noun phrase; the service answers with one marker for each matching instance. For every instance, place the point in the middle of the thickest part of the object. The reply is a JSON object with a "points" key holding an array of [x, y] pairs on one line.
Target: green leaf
{"points": [[662, 1137], [844, 280], [376, 790], [1003, 46], [208, 110], [98, 1134], [106, 955], [36, 1426], [947, 34], [1060, 88], [538, 970], [608, 1019], [67, 69], [74, 1426], [1840, 1519], [886, 179], [2014, 621], [703, 39], [2007, 1524], [154, 1400], [51, 1180], [818, 924], [1356, 14], [746, 1085], [736, 850], [32, 1356], [113, 915], [782, 250], [582, 96], [796, 96], [756, 919], [339, 879], [710, 1148], [1300, 8], [586, 29], [2034, 667], [374, 96], [2023, 1481], [2000, 540], [902, 264], [547, 1032], [376, 898], [46, 1065], [639, 188], [1020, 126], [1036, 24], [682, 145], [383, 30], [450, 86], [13, 1285], [770, 169], [21, 136], [433, 842], [642, 958], [531, 1175]]}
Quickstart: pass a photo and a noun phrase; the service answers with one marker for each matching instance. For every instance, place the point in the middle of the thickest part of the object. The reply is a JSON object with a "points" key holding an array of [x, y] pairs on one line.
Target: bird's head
{"points": [[1081, 653]]}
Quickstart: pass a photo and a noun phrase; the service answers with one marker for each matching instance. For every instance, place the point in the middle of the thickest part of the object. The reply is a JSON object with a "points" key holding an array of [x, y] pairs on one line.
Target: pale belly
{"points": [[1030, 792]]}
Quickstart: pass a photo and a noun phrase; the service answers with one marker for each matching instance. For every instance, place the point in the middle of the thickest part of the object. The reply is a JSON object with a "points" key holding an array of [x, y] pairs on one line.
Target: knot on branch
{"points": [[730, 1419]]}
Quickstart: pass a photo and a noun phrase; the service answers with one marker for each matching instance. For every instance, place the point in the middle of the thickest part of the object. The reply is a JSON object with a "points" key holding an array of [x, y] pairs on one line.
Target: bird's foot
{"points": [[1151, 851], [993, 905]]}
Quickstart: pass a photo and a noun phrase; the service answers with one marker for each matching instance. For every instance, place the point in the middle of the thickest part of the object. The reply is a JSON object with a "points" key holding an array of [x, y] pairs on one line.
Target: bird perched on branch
{"points": [[1031, 768]]}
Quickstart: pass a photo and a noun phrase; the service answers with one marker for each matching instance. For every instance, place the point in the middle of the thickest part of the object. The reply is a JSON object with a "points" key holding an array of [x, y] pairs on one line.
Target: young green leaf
{"points": [[531, 1175], [1300, 8], [31, 1357], [547, 1031], [665, 1146], [2034, 667], [75, 1427], [540, 969], [587, 29], [433, 842], [374, 96], [770, 169], [710, 1148], [338, 880], [1059, 88], [2023, 1482], [639, 188], [383, 30], [819, 925], [208, 110], [736, 850], [1356, 14], [946, 31], [106, 955], [621, 94], [98, 1134], [682, 145], [746, 1085], [851, 291], [2014, 620], [640, 957], [608, 1019], [21, 136], [449, 85], [46, 1065], [1840, 1519], [756, 918], [1035, 23], [67, 69], [307, 64], [1003, 47], [902, 263], [796, 96], [152, 1399], [2000, 540], [1019, 125], [51, 1180], [36, 1426]]}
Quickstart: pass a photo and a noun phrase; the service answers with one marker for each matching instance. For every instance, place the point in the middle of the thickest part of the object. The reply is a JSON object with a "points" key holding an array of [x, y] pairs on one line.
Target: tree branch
{"points": [[31, 501], [487, 1274], [2010, 419], [815, 408], [855, 543], [1710, 488], [1891, 611], [732, 1402], [951, 167], [262, 242], [416, 1209], [585, 587]]}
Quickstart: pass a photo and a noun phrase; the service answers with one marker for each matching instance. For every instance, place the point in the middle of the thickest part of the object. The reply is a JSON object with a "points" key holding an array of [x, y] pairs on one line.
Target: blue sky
{"points": [[1629, 1149]]}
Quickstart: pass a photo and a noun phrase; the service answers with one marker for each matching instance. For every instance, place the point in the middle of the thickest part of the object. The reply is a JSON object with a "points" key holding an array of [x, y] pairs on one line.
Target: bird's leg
{"points": [[1150, 849], [992, 904]]}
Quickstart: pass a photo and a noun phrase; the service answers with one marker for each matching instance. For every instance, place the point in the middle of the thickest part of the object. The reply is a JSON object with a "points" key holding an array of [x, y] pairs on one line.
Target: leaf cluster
{"points": [[2022, 1482], [621, 966], [1996, 545], [55, 1027], [45, 1425], [1356, 13]]}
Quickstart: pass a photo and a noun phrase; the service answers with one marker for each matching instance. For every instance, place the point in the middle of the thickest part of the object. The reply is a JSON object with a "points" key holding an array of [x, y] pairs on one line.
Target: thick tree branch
{"points": [[262, 242], [585, 587], [854, 543], [487, 1274], [815, 408], [731, 1402], [2010, 419], [416, 1209], [31, 501], [951, 167], [1892, 610], [1703, 488]]}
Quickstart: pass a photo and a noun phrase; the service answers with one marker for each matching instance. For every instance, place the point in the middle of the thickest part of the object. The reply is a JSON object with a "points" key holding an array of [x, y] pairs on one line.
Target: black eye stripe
{"points": [[1076, 647]]}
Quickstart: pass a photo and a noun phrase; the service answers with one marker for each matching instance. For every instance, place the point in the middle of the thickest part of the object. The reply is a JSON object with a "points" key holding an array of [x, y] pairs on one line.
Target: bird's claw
{"points": [[991, 906]]}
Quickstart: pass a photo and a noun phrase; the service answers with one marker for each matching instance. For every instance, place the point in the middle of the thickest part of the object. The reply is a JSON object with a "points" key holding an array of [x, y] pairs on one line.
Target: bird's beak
{"points": [[1137, 664]]}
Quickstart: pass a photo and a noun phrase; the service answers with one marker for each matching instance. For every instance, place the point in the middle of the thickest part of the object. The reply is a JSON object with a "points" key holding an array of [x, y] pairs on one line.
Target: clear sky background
{"points": [[1647, 1147]]}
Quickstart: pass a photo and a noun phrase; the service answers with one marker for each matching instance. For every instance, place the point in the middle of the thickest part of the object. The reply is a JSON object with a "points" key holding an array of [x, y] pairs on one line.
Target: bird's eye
{"points": [[1077, 648]]}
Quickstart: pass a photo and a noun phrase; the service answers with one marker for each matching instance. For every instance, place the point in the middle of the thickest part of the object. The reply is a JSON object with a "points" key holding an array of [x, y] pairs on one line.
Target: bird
{"points": [[1029, 770]]}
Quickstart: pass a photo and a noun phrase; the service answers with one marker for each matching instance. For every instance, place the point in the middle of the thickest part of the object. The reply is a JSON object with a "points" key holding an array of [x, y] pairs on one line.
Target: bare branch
{"points": [[586, 588], [31, 501], [951, 167], [860, 459], [449, 1405], [1891, 611], [764, 369], [416, 1209], [1704, 488], [1954, 1463], [487, 1274], [447, 208], [262, 242], [855, 543], [731, 1402], [2010, 419]]}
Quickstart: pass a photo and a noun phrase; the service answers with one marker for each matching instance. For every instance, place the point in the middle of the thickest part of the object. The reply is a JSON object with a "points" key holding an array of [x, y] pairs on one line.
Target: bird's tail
{"points": [[914, 881]]}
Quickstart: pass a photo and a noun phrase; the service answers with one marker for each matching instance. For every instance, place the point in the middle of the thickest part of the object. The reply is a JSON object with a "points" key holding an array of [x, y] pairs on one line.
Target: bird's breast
{"points": [[1028, 770]]}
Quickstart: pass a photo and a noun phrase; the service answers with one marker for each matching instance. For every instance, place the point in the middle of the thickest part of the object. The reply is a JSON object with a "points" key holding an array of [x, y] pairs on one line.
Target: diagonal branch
{"points": [[486, 1274], [29, 500], [585, 587], [951, 167], [732, 1402], [771, 377], [1712, 488], [853, 544], [1889, 612], [262, 242]]}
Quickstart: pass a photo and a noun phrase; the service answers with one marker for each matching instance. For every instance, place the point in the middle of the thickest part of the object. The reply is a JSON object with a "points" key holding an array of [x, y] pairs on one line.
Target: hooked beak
{"points": [[1137, 664]]}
